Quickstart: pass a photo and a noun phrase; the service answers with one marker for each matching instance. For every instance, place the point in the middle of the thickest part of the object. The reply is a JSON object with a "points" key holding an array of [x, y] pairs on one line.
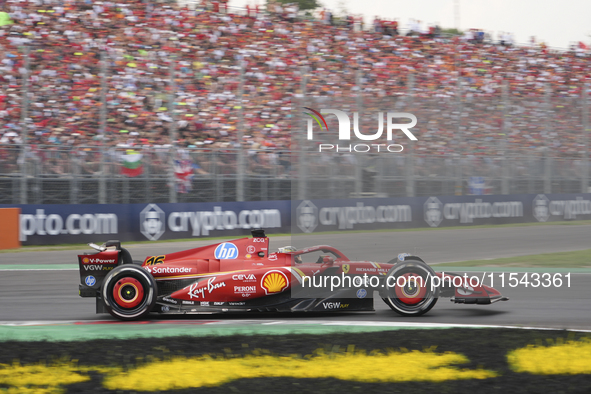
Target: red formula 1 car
{"points": [[242, 275]]}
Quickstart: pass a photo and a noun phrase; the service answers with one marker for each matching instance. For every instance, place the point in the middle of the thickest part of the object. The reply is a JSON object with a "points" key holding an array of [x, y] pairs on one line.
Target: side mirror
{"points": [[328, 260]]}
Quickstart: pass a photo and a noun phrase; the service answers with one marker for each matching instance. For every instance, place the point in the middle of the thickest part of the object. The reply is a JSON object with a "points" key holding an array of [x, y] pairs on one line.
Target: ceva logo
{"points": [[345, 130], [225, 251]]}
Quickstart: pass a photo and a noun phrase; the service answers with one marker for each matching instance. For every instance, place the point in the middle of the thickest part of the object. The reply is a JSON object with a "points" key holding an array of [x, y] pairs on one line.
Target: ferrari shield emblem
{"points": [[346, 268]]}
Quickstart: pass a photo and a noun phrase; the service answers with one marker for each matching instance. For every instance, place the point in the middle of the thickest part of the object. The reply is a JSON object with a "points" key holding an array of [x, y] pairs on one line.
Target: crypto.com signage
{"points": [[345, 136]]}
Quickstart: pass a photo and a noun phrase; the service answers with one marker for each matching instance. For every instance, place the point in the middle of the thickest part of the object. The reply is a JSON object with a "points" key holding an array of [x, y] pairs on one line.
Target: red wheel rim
{"points": [[414, 289], [128, 292]]}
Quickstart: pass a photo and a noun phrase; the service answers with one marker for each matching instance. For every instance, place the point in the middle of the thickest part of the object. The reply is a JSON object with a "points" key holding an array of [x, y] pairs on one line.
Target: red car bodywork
{"points": [[243, 275]]}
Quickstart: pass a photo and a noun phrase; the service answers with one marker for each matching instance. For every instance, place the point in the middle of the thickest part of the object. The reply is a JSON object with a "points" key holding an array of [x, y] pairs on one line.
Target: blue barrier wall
{"points": [[415, 212], [81, 223], [57, 224]]}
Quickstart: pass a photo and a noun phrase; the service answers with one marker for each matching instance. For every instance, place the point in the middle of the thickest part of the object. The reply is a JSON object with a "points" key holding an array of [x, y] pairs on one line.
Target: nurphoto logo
{"points": [[345, 130]]}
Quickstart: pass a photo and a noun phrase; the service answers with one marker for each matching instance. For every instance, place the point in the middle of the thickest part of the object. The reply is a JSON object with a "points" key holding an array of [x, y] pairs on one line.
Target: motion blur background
{"points": [[135, 102], [111, 110]]}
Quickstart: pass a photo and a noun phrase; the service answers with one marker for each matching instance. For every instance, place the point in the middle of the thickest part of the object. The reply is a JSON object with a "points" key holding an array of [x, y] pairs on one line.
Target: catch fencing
{"points": [[54, 175], [505, 142]]}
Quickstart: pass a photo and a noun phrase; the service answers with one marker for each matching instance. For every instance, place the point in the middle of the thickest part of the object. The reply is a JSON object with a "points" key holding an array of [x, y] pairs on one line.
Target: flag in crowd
{"points": [[132, 163], [183, 170]]}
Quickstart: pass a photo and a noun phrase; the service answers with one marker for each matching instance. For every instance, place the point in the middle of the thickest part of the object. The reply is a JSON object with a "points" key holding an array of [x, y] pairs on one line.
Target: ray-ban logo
{"points": [[345, 130]]}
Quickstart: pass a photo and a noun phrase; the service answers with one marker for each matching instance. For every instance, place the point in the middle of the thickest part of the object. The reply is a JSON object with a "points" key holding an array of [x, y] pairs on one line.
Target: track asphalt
{"points": [[52, 295]]}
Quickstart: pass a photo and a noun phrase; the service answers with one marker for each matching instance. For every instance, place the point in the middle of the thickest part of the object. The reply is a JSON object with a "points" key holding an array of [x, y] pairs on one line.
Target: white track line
{"points": [[38, 269], [406, 325]]}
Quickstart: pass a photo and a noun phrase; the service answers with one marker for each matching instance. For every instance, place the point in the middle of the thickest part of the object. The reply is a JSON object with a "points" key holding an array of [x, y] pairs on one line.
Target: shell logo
{"points": [[85, 260], [274, 282]]}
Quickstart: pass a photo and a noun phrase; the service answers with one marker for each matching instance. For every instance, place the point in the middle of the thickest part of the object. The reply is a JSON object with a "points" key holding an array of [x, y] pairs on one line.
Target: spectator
{"points": [[141, 42]]}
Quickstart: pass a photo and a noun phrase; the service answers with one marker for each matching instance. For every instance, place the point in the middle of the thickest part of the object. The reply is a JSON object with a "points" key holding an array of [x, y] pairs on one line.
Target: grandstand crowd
{"points": [[275, 46]]}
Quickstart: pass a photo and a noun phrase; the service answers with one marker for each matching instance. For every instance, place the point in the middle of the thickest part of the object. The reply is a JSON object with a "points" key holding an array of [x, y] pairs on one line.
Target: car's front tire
{"points": [[129, 292], [408, 289]]}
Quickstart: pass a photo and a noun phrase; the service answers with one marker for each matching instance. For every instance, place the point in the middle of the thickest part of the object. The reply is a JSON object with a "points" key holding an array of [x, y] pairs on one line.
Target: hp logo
{"points": [[226, 250], [89, 280]]}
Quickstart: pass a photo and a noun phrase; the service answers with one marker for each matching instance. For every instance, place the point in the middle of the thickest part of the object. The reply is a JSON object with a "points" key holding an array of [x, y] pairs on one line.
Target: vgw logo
{"points": [[345, 130]]}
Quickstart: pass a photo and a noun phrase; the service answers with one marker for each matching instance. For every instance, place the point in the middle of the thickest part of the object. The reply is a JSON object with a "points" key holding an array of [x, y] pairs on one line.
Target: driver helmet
{"points": [[288, 249]]}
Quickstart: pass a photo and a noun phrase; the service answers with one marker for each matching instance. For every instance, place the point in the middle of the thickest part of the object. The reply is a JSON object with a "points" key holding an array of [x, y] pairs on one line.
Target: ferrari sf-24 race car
{"points": [[242, 275]]}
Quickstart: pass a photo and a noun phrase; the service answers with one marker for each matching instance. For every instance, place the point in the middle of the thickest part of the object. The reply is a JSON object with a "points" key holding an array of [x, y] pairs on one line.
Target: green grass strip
{"points": [[85, 332], [540, 270], [561, 261]]}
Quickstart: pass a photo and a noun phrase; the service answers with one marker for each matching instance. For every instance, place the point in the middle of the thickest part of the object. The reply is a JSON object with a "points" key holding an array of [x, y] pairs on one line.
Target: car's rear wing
{"points": [[95, 266]]}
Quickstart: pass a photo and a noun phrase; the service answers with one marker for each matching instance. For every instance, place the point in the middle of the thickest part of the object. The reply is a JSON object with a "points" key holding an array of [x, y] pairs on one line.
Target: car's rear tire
{"points": [[414, 297], [129, 292]]}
